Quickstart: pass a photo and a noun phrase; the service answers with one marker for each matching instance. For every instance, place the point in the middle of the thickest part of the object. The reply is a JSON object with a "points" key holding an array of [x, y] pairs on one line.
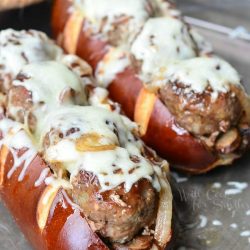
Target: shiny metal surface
{"points": [[208, 216]]}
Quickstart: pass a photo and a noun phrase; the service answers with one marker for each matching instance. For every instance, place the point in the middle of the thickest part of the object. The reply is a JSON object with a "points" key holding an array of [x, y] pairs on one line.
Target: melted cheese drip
{"points": [[96, 10], [48, 82], [15, 138], [17, 48], [162, 41], [201, 72], [112, 167], [79, 66]]}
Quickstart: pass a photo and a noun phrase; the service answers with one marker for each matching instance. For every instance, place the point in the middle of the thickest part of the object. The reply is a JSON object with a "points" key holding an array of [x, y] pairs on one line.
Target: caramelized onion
{"points": [[164, 216]]}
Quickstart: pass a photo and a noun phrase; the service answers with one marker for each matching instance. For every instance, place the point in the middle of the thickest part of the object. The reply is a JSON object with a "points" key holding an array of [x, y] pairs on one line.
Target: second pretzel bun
{"points": [[11, 4], [143, 52]]}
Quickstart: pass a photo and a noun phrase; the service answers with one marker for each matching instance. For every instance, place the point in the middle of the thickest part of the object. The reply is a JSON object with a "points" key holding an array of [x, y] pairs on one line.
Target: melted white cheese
{"points": [[199, 73], [96, 10], [105, 164], [113, 63], [17, 48], [49, 83], [15, 138], [162, 41]]}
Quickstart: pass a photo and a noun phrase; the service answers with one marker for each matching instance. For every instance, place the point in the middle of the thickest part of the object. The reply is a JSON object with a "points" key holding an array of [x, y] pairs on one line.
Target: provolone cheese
{"points": [[162, 41], [18, 48]]}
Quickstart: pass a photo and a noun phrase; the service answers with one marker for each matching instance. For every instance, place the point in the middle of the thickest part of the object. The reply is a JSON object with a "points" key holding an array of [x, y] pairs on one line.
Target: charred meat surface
{"points": [[115, 214]]}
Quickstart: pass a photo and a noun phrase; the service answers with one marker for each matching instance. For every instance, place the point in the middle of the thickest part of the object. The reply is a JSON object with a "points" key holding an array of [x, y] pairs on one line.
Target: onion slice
{"points": [[164, 216]]}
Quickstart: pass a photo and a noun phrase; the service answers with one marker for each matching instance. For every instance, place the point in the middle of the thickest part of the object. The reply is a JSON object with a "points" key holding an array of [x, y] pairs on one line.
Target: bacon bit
{"points": [[91, 142], [132, 170], [72, 131], [44, 205], [134, 158]]}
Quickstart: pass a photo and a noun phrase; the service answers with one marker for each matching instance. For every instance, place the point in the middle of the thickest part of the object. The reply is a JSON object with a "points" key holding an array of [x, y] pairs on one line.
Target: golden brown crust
{"points": [[11, 4]]}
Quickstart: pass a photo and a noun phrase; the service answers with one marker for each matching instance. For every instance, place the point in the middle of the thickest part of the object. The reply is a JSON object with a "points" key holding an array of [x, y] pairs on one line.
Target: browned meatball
{"points": [[198, 113], [115, 214]]}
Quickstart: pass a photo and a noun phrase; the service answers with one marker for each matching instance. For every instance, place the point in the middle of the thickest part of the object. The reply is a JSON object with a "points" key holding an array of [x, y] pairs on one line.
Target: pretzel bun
{"points": [[132, 49]]}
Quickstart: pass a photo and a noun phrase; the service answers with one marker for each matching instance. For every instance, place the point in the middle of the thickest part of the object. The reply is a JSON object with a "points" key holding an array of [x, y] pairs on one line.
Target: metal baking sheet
{"points": [[212, 210]]}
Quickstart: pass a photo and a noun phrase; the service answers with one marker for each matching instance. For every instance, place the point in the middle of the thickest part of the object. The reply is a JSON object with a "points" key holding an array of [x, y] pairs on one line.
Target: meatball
{"points": [[199, 113], [115, 214]]}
